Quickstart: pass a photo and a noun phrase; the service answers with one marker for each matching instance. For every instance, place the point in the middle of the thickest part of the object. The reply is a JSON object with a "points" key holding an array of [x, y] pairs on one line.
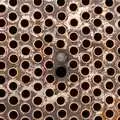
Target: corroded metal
{"points": [[59, 59]]}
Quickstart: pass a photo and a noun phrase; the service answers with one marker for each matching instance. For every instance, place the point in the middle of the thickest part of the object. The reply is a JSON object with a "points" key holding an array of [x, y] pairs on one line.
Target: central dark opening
{"points": [[61, 71]]}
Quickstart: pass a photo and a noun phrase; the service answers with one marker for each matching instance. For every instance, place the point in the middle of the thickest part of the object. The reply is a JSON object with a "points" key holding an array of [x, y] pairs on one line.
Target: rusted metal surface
{"points": [[59, 59]]}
